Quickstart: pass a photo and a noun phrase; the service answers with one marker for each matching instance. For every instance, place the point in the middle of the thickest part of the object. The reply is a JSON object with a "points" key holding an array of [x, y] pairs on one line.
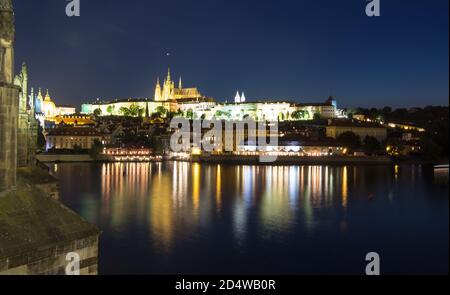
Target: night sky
{"points": [[301, 50]]}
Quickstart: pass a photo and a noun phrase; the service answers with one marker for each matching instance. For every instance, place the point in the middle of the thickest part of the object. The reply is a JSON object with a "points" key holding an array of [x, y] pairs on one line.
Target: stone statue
{"points": [[7, 34], [21, 80]]}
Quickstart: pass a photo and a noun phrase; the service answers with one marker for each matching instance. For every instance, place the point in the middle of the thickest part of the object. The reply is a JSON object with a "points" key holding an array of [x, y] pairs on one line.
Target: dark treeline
{"points": [[435, 120]]}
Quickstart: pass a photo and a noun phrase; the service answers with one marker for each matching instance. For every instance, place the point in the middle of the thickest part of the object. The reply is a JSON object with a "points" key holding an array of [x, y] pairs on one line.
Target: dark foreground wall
{"points": [[37, 232], [9, 109]]}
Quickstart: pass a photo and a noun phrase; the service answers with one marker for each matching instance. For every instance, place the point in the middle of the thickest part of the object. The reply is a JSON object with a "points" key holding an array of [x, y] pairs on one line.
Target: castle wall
{"points": [[51, 260], [9, 109]]}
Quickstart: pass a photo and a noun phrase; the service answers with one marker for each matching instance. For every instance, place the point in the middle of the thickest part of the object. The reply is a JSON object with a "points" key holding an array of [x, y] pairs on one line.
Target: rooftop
{"points": [[74, 131], [354, 123]]}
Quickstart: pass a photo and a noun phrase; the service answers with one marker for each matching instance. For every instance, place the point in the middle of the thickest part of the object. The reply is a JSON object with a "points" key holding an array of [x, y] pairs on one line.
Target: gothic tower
{"points": [[21, 80], [158, 94], [9, 98], [237, 98], [168, 91]]}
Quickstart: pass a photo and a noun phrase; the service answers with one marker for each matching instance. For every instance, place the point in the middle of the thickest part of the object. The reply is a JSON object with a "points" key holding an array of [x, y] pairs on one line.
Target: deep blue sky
{"points": [[302, 50]]}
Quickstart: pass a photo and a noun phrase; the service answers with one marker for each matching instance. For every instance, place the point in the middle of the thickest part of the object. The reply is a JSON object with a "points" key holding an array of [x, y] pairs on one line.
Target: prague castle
{"points": [[190, 103]]}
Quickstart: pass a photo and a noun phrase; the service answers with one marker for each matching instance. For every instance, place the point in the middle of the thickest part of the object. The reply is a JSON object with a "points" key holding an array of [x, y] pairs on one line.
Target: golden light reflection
{"points": [[396, 171], [344, 186], [276, 210], [218, 187], [159, 196], [195, 186], [161, 213]]}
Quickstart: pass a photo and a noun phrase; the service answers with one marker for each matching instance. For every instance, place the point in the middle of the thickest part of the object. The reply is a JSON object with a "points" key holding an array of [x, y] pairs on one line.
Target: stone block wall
{"points": [[9, 109], [22, 140], [51, 260]]}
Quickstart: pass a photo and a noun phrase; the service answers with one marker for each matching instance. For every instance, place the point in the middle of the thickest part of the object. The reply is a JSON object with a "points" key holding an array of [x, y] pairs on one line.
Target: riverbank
{"points": [[247, 160], [287, 160]]}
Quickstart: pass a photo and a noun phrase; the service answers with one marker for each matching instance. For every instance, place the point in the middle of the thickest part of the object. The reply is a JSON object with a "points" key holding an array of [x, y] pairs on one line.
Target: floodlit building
{"points": [[326, 110], [71, 138], [336, 127], [190, 103], [168, 91], [47, 110]]}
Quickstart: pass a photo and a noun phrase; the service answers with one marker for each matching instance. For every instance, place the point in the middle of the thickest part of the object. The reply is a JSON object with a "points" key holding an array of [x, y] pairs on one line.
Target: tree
{"points": [[124, 111], [97, 112], [386, 111], [430, 150], [110, 109], [299, 115], [161, 111], [134, 110], [190, 114], [219, 114], [179, 113], [316, 117], [171, 115], [350, 139], [141, 112], [371, 145], [96, 149]]}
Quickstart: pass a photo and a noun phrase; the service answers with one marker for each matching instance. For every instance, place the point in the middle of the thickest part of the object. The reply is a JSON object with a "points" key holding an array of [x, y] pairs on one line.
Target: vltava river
{"points": [[183, 218]]}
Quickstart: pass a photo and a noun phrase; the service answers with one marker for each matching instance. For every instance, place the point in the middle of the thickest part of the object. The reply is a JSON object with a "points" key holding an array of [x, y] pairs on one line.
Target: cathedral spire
{"points": [[158, 93], [31, 102], [180, 85], [47, 96], [243, 97], [168, 74], [237, 98]]}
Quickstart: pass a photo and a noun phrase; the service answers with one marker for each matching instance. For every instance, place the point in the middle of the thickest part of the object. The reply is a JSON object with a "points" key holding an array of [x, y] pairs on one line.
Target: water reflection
{"points": [[171, 206], [170, 196]]}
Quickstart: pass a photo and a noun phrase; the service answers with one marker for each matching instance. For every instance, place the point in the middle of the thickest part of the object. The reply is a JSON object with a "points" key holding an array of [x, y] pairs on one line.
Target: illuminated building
{"points": [[326, 110], [47, 110], [71, 138], [362, 129], [74, 120], [293, 148], [167, 97], [190, 103], [129, 154], [169, 92], [407, 127]]}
